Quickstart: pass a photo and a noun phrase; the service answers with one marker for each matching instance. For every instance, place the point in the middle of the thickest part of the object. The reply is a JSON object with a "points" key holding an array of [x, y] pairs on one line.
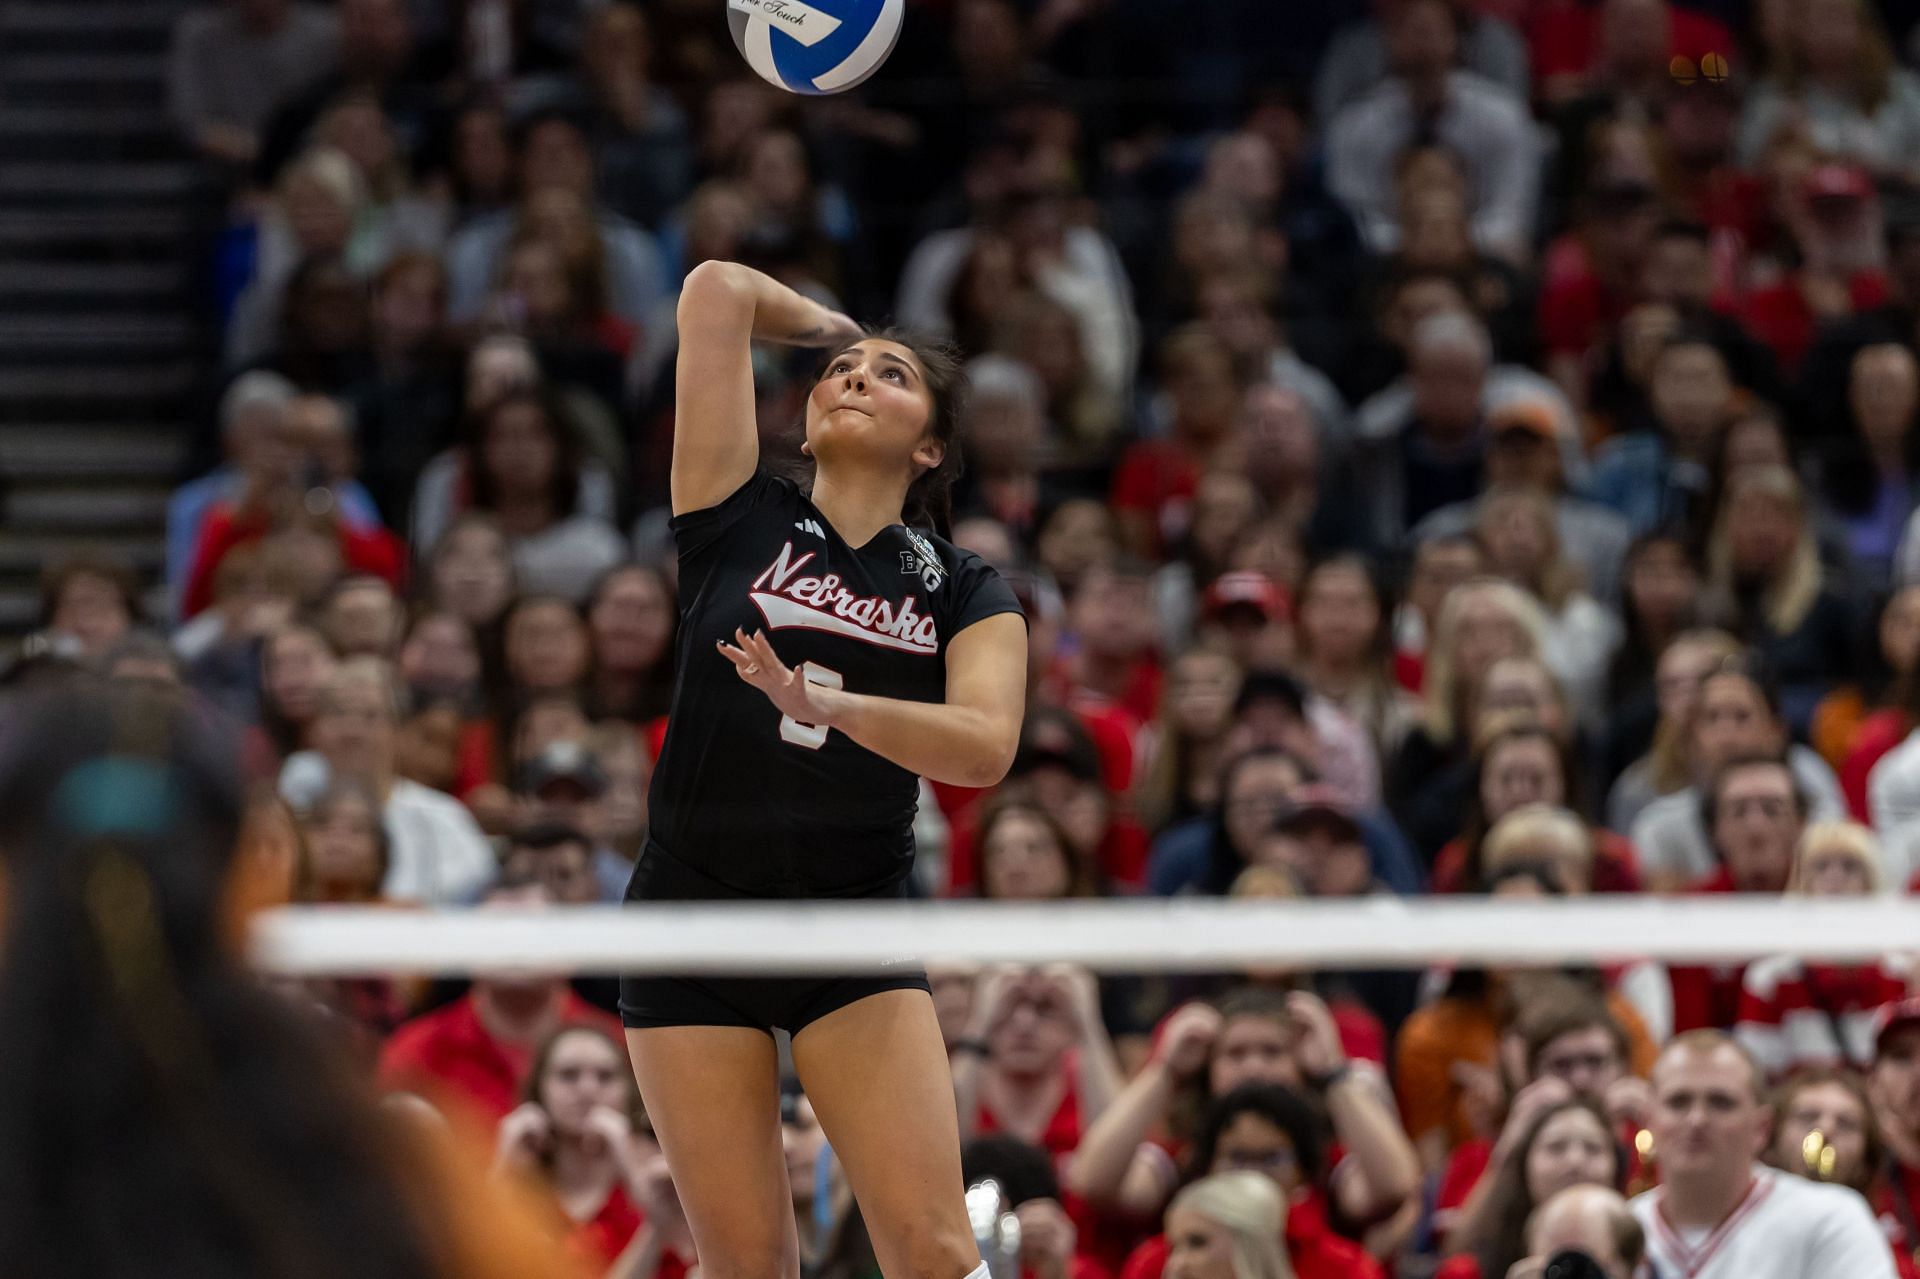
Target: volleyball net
{"points": [[1151, 935]]}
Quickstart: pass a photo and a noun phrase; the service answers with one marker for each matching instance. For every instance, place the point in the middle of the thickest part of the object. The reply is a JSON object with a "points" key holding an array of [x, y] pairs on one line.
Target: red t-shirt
{"points": [[1876, 737], [598, 1242], [362, 550], [1157, 479], [1315, 1250], [1896, 1201], [1707, 997], [1781, 316], [1563, 38], [449, 1057]]}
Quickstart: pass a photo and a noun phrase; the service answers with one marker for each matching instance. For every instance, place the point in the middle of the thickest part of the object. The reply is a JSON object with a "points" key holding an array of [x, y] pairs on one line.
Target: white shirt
{"points": [[1672, 838], [1786, 1228], [1893, 802], [439, 856]]}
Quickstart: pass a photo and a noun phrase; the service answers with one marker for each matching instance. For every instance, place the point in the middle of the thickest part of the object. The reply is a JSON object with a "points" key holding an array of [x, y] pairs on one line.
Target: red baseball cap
{"points": [[1897, 1015], [1838, 182], [1248, 589]]}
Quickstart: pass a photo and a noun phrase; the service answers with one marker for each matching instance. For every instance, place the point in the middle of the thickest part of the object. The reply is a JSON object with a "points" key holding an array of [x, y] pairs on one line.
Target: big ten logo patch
{"points": [[922, 562]]}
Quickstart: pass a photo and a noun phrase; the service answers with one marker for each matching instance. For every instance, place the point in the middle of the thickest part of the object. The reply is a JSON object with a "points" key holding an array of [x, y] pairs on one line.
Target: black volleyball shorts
{"points": [[759, 1003]]}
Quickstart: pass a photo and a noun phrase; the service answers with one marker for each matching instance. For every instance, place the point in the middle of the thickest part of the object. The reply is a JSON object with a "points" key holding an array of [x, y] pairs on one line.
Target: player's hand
{"points": [[788, 688], [1188, 1040]]}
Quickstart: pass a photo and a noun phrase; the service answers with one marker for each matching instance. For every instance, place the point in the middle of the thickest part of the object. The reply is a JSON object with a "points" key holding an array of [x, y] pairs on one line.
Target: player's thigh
{"points": [[876, 1072], [713, 1096]]}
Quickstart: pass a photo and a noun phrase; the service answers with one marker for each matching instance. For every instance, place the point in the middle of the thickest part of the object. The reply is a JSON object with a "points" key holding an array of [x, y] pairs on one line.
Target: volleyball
{"points": [[815, 46]]}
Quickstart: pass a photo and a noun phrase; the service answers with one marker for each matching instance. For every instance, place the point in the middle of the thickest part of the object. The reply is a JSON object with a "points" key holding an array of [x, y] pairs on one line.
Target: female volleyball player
{"points": [[830, 652]]}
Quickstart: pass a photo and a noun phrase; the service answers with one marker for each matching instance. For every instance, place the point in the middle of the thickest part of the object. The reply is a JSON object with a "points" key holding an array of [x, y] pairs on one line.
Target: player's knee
{"points": [[931, 1248], [748, 1256]]}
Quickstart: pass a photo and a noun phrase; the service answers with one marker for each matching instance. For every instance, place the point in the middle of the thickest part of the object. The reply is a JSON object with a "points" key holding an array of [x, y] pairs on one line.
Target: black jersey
{"points": [[761, 803]]}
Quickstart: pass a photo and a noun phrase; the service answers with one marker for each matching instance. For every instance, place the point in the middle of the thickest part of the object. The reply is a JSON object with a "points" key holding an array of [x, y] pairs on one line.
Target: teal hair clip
{"points": [[116, 795]]}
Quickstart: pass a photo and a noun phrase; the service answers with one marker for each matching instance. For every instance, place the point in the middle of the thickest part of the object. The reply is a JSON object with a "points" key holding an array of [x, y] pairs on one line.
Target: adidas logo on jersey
{"points": [[810, 526]]}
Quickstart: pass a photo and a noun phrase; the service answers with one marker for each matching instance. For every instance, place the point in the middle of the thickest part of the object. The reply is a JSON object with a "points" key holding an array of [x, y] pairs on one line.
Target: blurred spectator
{"points": [[1154, 481], [1590, 1222], [577, 1138], [1683, 667], [1357, 59], [1035, 1061], [1656, 475], [1271, 1132], [1840, 82], [88, 603], [233, 63], [556, 159], [632, 620], [1345, 649], [1561, 1139], [1795, 1014], [1869, 478], [1710, 1106], [1238, 1056], [1866, 718], [522, 466], [1894, 1086], [1765, 584], [438, 854], [474, 1056], [1525, 451], [1482, 621], [1195, 713], [1426, 96]]}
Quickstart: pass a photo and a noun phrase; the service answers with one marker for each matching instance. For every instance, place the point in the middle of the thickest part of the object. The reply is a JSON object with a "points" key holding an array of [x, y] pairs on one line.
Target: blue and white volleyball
{"points": [[815, 46]]}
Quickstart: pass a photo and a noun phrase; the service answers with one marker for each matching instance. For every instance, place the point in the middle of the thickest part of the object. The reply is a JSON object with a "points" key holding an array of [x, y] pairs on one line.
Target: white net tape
{"points": [[1137, 935]]}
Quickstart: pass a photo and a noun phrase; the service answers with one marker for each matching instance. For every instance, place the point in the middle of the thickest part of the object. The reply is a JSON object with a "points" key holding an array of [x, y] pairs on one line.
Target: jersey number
{"points": [[811, 736]]}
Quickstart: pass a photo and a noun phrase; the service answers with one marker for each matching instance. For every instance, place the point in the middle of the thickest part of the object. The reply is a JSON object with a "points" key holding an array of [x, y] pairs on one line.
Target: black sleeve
{"points": [[699, 534], [978, 593]]}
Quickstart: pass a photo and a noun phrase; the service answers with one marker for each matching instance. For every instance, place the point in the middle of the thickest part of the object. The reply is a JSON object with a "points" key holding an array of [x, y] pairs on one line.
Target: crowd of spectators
{"points": [[1442, 446]]}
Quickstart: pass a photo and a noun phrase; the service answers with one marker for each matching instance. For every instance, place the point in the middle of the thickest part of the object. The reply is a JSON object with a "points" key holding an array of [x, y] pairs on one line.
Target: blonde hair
{"points": [[1851, 838], [1264, 881], [1667, 757], [1530, 826], [1444, 695], [1792, 591], [1559, 578], [329, 169], [1248, 1206], [1873, 68]]}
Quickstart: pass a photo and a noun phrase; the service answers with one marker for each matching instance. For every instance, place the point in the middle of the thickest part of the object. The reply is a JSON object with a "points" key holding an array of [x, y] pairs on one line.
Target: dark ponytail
{"points": [[929, 503], [161, 1111]]}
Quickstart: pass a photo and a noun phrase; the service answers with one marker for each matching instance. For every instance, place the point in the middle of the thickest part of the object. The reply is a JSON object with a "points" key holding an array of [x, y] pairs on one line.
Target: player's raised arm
{"points": [[723, 307]]}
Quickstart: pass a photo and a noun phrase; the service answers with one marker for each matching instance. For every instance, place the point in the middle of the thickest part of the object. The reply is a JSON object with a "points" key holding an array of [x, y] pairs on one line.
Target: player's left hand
{"points": [[786, 687]]}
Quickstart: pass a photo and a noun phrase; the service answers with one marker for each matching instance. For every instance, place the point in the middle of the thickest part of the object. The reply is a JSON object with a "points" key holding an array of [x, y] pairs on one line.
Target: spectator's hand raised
{"points": [[1079, 993], [1529, 1103], [1188, 1040], [1318, 1051], [993, 998], [608, 1133], [523, 1139], [1047, 1239], [1629, 1100]]}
